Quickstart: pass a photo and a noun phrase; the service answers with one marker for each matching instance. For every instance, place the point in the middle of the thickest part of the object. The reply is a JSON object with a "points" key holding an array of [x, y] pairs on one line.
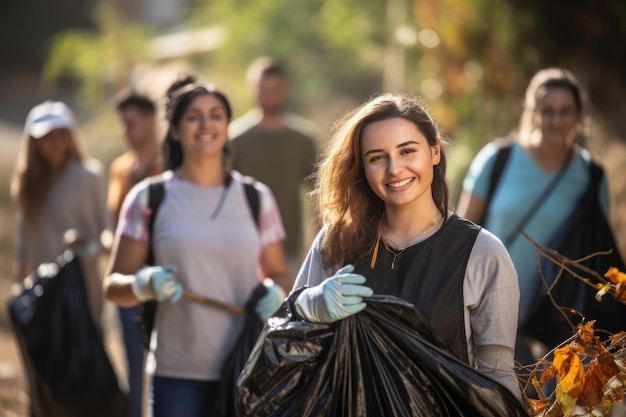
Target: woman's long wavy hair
{"points": [[346, 204], [177, 99], [33, 175]]}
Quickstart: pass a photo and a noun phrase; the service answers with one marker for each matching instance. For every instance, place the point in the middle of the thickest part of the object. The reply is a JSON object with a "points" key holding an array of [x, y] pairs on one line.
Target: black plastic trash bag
{"points": [[384, 361], [67, 367], [226, 402]]}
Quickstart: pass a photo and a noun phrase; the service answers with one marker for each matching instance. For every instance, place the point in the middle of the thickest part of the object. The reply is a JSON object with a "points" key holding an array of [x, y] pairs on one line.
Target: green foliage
{"points": [[330, 46], [102, 60], [473, 77], [335, 51]]}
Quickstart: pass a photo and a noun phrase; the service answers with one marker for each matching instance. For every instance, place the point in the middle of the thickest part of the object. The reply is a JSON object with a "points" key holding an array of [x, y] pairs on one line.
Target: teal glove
{"points": [[269, 303], [157, 283], [334, 299]]}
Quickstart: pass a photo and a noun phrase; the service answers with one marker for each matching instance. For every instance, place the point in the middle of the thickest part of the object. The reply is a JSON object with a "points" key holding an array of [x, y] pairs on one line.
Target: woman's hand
{"points": [[336, 298]]}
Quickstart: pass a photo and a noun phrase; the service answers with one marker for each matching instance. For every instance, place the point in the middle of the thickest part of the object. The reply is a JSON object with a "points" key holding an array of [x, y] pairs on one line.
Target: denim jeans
{"points": [[171, 397], [134, 358]]}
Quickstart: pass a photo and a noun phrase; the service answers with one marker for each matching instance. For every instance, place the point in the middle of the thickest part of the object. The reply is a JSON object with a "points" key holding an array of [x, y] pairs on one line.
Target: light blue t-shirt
{"points": [[521, 183]]}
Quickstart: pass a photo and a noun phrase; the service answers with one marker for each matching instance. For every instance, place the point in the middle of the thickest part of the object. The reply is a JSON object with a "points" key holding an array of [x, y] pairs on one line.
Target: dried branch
{"points": [[590, 374]]}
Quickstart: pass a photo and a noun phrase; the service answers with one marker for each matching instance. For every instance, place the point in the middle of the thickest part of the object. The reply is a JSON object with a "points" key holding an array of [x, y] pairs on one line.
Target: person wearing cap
{"points": [[60, 197]]}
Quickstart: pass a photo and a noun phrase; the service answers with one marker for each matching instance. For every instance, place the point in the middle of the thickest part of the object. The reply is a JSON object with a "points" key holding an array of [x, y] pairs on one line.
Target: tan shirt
{"points": [[124, 174], [282, 159]]}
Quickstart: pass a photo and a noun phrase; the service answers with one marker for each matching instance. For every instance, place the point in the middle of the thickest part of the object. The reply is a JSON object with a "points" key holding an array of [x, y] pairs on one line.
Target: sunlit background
{"points": [[469, 59]]}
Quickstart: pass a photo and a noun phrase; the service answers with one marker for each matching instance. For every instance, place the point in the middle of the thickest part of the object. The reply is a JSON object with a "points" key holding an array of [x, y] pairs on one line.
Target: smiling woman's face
{"points": [[203, 126], [398, 161]]}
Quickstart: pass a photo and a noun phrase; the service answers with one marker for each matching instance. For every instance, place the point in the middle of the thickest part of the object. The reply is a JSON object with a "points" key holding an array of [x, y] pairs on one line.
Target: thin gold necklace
{"points": [[394, 253], [399, 252]]}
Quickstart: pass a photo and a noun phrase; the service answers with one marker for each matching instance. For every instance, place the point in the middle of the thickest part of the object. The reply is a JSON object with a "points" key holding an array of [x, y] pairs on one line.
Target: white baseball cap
{"points": [[47, 116]]}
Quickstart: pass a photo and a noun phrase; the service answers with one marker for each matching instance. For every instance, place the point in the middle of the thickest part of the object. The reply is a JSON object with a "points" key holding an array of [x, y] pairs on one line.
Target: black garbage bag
{"points": [[384, 361], [226, 402], [67, 367]]}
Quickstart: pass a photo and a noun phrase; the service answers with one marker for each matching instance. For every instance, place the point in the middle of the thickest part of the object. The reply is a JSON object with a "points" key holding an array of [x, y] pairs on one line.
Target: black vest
{"points": [[430, 276]]}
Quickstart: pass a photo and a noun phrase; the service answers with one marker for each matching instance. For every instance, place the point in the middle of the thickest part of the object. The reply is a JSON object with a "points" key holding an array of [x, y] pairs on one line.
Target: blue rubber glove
{"points": [[269, 303], [157, 283], [334, 299]]}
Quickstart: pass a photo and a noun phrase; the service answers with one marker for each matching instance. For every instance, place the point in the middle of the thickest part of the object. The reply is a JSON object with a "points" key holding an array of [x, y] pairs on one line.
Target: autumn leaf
{"points": [[615, 275], [567, 402], [548, 374], [593, 391], [607, 366], [537, 406], [598, 374], [586, 332], [570, 371]]}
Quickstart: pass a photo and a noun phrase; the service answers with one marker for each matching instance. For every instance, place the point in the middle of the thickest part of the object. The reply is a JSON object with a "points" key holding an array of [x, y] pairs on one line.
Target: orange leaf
{"points": [[617, 335], [615, 275], [607, 366], [600, 371], [548, 374], [592, 393], [570, 371], [537, 406], [586, 332]]}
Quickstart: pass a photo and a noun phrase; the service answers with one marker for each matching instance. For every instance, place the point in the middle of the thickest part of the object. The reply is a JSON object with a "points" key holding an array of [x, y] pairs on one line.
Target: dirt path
{"points": [[13, 398]]}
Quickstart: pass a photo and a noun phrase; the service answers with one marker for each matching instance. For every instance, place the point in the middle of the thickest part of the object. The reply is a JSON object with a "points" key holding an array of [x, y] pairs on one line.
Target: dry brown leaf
{"points": [[593, 390], [548, 374], [586, 332], [537, 406], [570, 371]]}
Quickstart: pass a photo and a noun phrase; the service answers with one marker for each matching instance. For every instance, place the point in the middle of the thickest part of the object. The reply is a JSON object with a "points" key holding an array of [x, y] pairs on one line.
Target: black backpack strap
{"points": [[147, 310], [498, 167], [595, 175], [156, 192], [502, 156], [252, 195]]}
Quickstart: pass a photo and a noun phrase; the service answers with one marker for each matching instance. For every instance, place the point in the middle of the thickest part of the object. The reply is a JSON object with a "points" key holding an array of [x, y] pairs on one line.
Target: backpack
{"points": [[156, 193]]}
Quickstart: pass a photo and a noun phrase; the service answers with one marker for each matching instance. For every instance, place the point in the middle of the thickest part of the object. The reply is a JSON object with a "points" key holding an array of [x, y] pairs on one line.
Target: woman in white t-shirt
{"points": [[205, 241]]}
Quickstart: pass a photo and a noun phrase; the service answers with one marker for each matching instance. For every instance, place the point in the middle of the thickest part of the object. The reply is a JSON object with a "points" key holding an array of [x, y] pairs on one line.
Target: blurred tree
{"points": [[470, 60], [332, 47], [588, 37], [101, 59], [26, 28], [473, 61]]}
